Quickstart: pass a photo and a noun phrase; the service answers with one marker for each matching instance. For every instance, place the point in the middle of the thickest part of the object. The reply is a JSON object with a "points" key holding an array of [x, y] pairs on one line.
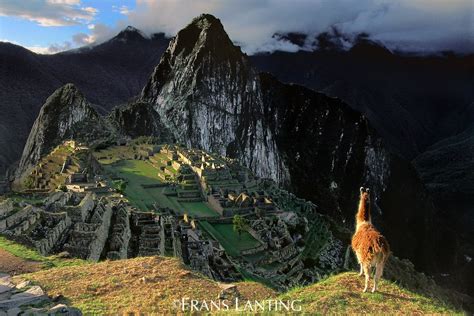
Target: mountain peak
{"points": [[205, 34], [130, 33], [202, 45], [205, 20], [65, 114]]}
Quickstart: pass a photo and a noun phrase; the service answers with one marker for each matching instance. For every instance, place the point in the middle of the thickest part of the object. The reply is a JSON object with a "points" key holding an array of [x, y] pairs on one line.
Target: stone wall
{"points": [[102, 232], [120, 233], [20, 221], [45, 245]]}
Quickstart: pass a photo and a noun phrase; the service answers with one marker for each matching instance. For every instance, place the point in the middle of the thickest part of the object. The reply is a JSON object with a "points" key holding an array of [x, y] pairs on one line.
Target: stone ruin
{"points": [[95, 225], [229, 203], [203, 254]]}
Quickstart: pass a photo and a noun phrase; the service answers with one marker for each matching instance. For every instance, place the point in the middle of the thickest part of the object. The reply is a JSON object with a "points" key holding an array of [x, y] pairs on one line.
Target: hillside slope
{"points": [[341, 294], [146, 285], [153, 284]]}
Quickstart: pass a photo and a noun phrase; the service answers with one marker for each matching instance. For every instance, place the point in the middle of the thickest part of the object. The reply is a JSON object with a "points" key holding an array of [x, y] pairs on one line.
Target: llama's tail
{"points": [[384, 249]]}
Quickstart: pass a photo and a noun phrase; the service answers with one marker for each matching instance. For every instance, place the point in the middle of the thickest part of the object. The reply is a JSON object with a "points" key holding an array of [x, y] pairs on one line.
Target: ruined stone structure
{"points": [[87, 238], [202, 254], [92, 221], [120, 232]]}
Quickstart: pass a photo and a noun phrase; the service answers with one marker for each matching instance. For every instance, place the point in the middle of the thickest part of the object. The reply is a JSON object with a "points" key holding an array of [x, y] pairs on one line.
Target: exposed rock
{"points": [[21, 298], [32, 295], [66, 114], [64, 254], [208, 95], [14, 311], [139, 119], [229, 292], [23, 284]]}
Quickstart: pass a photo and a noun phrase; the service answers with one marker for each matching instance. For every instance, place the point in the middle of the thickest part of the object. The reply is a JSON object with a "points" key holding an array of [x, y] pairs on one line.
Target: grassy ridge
{"points": [[153, 284], [342, 294], [147, 285], [28, 254]]}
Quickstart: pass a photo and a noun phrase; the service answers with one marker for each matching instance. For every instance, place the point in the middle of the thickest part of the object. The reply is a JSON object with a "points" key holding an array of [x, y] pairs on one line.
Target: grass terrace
{"points": [[228, 238]]}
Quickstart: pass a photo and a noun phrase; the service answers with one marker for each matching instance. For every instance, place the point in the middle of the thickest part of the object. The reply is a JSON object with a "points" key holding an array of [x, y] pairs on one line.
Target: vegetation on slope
{"points": [[31, 255], [144, 285], [155, 284], [343, 294]]}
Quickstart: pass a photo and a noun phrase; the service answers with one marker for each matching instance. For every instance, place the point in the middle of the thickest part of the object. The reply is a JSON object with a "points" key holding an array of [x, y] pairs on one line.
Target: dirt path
{"points": [[13, 265]]}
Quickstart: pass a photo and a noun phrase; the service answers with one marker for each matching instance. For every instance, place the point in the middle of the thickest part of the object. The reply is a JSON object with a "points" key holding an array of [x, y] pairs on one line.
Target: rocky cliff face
{"points": [[139, 119], [209, 96], [66, 114]]}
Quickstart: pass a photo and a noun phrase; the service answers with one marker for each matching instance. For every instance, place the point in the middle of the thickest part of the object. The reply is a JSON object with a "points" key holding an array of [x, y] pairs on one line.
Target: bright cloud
{"points": [[49, 12], [416, 25]]}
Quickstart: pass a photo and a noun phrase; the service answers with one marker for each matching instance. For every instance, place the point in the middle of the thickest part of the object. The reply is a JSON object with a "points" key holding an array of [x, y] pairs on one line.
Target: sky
{"points": [[50, 26]]}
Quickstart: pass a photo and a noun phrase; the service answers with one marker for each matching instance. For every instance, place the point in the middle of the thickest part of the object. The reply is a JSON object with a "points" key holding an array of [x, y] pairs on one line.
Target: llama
{"points": [[370, 247]]}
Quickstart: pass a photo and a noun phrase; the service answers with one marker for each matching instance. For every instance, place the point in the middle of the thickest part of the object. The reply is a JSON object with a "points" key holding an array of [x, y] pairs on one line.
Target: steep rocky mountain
{"points": [[108, 74], [413, 101], [209, 96], [446, 168], [65, 115], [422, 106], [138, 119]]}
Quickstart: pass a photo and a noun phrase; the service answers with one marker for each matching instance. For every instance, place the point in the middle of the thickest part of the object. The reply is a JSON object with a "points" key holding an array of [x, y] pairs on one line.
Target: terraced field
{"points": [[228, 238], [138, 173]]}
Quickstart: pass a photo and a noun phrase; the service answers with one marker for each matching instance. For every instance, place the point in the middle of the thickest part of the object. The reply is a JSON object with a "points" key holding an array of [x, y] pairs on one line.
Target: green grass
{"points": [[18, 197], [32, 255], [198, 209], [229, 238], [138, 172], [342, 294]]}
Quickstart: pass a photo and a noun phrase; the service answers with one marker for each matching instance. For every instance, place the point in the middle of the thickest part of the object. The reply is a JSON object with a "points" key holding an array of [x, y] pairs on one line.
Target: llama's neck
{"points": [[363, 214]]}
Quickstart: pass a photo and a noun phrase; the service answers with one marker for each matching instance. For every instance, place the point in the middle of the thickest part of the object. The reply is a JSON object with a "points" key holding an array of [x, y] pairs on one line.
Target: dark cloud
{"points": [[412, 24]]}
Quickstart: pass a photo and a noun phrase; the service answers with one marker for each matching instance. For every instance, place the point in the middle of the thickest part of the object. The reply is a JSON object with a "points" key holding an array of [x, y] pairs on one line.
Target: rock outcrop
{"points": [[66, 114], [209, 96], [138, 119]]}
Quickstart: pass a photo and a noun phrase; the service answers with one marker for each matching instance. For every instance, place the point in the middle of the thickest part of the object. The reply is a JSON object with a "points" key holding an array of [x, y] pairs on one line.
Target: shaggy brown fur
{"points": [[370, 247]]}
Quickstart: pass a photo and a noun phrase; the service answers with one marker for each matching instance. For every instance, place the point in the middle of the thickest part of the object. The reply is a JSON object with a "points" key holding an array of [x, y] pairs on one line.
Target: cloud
{"points": [[81, 39], [49, 12], [122, 9], [413, 24]]}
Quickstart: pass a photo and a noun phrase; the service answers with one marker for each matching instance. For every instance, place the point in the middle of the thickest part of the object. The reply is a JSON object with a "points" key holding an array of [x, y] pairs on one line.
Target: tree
{"points": [[240, 224], [120, 186]]}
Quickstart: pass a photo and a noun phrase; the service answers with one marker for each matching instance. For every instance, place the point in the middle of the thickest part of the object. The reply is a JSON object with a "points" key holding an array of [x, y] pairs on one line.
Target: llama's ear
{"points": [[367, 190], [361, 189]]}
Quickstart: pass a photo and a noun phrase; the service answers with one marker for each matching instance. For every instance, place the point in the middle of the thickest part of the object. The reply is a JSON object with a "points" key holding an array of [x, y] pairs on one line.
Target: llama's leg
{"points": [[360, 264], [367, 276], [378, 274]]}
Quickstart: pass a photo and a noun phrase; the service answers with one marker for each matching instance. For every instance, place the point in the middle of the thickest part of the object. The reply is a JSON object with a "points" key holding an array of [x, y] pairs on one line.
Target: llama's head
{"points": [[365, 194], [363, 213]]}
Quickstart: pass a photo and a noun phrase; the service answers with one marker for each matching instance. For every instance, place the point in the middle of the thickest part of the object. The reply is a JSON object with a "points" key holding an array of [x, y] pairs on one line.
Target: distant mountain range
{"points": [[109, 74]]}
